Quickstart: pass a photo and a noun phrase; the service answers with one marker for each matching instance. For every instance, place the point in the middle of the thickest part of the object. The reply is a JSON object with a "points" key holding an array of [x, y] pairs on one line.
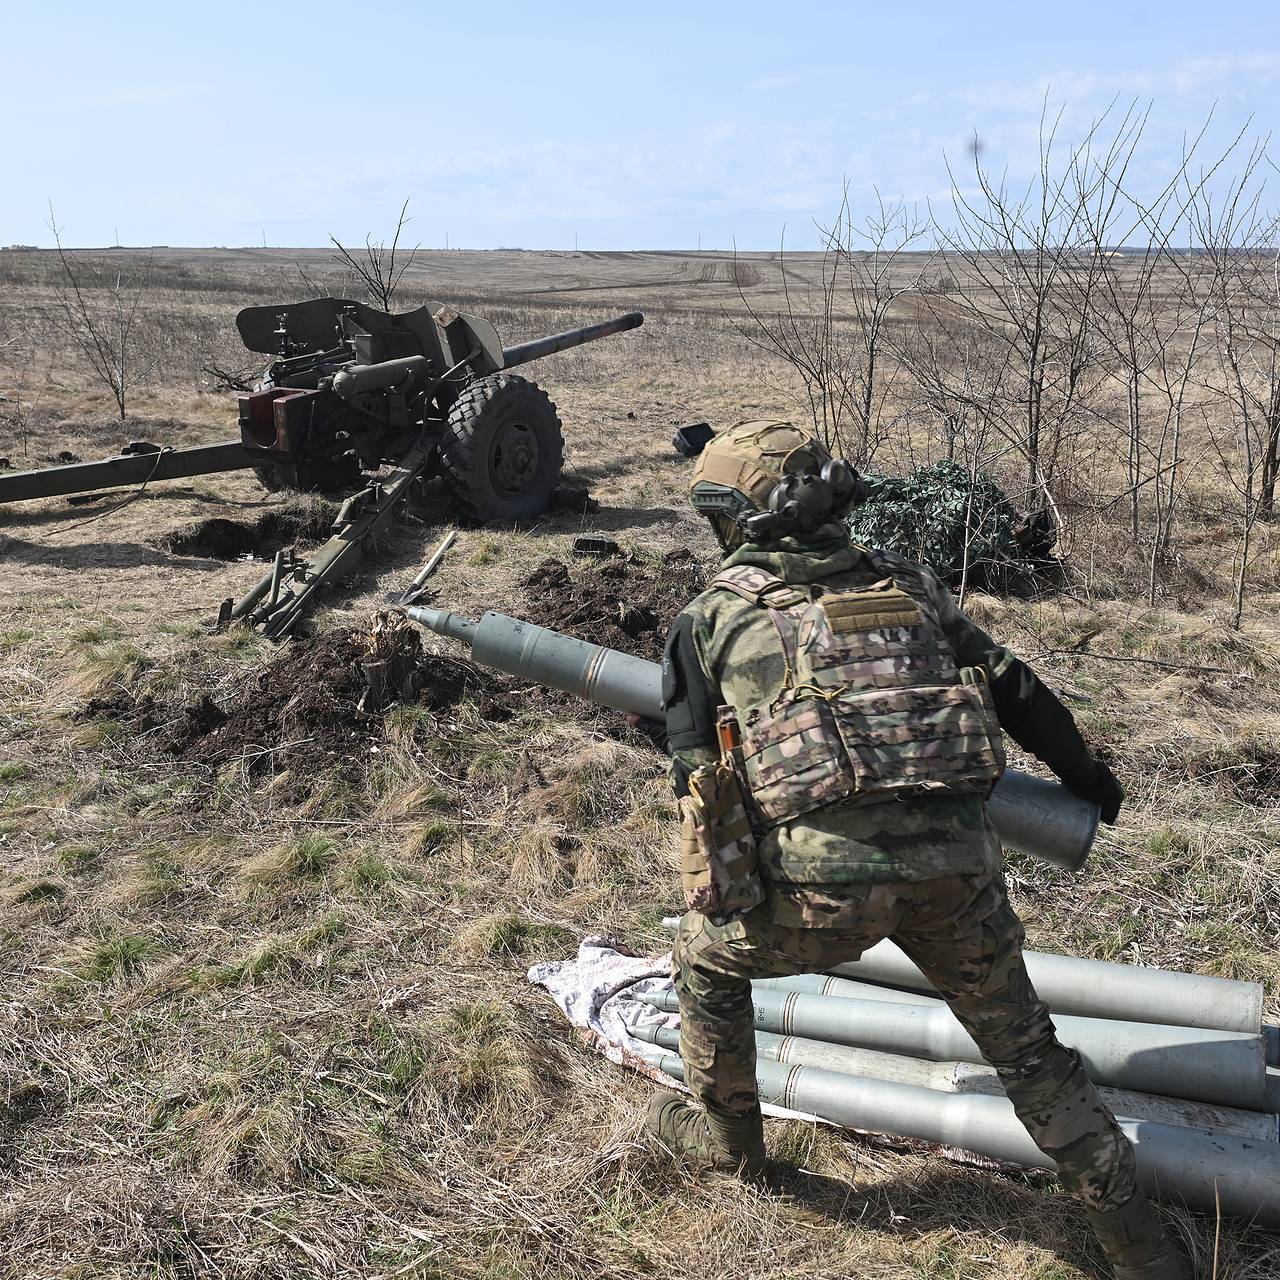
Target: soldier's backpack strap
{"points": [[767, 590]]}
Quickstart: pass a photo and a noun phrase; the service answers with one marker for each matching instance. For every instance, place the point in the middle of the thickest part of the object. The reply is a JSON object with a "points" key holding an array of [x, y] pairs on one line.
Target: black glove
{"points": [[1103, 789], [654, 730]]}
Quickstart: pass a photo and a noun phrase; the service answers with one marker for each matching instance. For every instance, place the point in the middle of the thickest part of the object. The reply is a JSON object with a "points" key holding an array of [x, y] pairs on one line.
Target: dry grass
{"points": [[244, 1036]]}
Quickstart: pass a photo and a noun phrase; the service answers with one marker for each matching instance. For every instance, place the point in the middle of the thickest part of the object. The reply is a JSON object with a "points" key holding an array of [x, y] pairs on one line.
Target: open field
{"points": [[262, 999]]}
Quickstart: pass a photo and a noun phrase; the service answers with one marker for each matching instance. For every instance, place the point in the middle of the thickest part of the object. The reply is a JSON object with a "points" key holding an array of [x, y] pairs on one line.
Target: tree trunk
{"points": [[1246, 539], [1271, 454]]}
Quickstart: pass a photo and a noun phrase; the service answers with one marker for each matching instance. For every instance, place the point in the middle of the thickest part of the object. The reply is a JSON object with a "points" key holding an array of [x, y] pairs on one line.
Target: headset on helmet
{"points": [[804, 501], [765, 480]]}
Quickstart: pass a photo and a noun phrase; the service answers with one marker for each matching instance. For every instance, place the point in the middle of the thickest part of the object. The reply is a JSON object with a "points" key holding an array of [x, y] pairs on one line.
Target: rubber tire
{"points": [[482, 410]]}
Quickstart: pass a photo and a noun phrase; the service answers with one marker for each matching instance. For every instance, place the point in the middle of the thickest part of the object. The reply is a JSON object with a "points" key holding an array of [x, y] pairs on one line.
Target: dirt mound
{"points": [[625, 602], [304, 707], [221, 539], [316, 709]]}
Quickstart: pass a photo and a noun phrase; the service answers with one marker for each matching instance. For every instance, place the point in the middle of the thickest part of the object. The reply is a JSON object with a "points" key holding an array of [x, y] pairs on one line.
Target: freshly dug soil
{"points": [[316, 708], [221, 539], [625, 602]]}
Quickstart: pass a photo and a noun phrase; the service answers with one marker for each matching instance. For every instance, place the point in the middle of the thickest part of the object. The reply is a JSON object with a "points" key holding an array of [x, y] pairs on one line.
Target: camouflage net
{"points": [[922, 516]]}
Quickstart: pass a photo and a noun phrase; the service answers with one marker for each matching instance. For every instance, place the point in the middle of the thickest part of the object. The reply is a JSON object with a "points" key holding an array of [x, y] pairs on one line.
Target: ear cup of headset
{"points": [[839, 478], [803, 501], [848, 488]]}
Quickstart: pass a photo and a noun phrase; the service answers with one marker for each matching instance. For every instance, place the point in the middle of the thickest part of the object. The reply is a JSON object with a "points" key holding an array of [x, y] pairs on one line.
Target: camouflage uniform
{"points": [[924, 871]]}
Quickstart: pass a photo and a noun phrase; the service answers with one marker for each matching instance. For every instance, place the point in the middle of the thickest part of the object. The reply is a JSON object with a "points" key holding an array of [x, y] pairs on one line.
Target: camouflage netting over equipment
{"points": [[925, 515]]}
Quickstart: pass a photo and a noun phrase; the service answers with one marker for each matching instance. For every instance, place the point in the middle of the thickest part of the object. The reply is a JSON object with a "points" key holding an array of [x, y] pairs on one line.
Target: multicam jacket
{"points": [[724, 649]]}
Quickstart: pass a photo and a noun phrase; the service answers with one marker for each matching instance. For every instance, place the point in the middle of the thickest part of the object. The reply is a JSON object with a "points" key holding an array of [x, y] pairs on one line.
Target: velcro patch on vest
{"points": [[874, 608]]}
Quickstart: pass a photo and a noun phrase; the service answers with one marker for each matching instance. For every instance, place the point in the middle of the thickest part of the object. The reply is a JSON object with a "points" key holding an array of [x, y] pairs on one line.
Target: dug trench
{"points": [[304, 521], [623, 602], [319, 708], [301, 522]]}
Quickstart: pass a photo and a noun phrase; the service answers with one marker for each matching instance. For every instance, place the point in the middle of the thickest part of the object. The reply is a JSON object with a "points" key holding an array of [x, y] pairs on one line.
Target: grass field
{"points": [[262, 951]]}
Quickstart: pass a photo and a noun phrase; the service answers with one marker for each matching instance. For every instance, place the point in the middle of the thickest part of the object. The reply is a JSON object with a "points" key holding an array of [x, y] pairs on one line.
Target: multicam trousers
{"points": [[966, 938]]}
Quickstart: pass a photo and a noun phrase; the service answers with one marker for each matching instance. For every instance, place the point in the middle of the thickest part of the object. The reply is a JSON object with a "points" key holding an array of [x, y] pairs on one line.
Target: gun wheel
{"points": [[502, 448]]}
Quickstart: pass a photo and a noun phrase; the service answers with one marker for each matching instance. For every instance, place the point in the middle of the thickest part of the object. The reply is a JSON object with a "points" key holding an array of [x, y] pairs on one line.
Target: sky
{"points": [[542, 125]]}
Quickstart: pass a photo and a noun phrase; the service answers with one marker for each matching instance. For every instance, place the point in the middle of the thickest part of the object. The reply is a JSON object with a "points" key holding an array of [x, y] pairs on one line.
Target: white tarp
{"points": [[598, 991]]}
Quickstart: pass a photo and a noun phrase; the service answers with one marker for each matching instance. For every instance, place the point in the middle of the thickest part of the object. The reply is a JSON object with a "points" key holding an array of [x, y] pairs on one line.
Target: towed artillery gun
{"points": [[352, 390]]}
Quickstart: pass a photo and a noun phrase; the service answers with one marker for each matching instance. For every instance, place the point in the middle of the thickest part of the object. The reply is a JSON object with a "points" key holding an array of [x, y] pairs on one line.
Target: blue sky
{"points": [[627, 125]]}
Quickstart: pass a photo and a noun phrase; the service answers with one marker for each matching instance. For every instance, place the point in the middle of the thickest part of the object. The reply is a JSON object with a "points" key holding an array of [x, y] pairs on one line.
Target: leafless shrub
{"points": [[1238, 243], [1154, 312], [230, 379], [377, 268], [1027, 275], [835, 338], [104, 333], [17, 376]]}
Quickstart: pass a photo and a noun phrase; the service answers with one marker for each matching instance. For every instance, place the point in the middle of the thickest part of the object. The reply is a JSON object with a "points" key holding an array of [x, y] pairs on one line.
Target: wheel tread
{"points": [[458, 445]]}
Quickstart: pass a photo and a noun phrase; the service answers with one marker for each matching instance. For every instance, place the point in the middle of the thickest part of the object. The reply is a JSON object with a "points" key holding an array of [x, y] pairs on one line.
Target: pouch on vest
{"points": [[719, 869]]}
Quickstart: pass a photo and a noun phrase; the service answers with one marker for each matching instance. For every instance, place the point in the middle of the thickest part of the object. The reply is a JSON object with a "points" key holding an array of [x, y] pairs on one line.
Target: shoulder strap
{"points": [[759, 586], [874, 559], [768, 591]]}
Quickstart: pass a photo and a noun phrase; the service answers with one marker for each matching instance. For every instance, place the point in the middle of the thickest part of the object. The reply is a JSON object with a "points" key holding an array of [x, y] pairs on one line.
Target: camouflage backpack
{"points": [[873, 707]]}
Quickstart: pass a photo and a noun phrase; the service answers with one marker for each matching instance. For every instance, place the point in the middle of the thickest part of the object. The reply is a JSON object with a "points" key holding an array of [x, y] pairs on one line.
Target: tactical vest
{"points": [[873, 707]]}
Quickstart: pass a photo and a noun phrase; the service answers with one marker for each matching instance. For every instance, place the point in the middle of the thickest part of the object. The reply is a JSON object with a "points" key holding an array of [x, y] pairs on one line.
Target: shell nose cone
{"points": [[443, 622]]}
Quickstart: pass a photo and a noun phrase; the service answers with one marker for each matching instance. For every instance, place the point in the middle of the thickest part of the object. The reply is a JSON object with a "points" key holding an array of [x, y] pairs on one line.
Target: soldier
{"points": [[858, 711]]}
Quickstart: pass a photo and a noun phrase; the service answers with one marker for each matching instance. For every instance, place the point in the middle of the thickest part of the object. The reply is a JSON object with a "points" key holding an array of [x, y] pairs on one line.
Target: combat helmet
{"points": [[759, 481]]}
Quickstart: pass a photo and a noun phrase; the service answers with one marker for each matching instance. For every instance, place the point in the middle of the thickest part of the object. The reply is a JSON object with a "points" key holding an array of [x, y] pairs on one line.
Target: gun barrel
{"points": [[523, 352], [1036, 817], [127, 469]]}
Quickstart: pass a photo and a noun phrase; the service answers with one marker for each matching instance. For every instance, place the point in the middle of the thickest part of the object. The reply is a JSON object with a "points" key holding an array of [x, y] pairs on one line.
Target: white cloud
{"points": [[800, 78], [1189, 76]]}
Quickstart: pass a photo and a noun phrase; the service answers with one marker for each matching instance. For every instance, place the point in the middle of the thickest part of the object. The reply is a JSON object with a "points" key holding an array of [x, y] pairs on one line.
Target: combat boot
{"points": [[725, 1144], [1136, 1244]]}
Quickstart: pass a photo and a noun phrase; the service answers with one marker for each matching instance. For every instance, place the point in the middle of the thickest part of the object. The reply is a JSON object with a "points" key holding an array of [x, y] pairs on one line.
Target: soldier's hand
{"points": [[1104, 790], [654, 730]]}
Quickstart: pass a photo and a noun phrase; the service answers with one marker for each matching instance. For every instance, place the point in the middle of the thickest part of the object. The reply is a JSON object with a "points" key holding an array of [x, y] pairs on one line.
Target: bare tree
{"points": [[1238, 245], [1271, 447], [1027, 274], [875, 275], [1259, 342], [377, 268], [959, 375], [1154, 318], [15, 376], [835, 335], [97, 306]]}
